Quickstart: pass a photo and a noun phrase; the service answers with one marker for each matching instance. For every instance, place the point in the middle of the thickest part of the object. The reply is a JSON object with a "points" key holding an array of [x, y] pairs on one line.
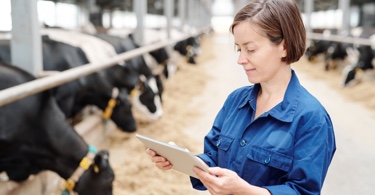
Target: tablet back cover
{"points": [[181, 159]]}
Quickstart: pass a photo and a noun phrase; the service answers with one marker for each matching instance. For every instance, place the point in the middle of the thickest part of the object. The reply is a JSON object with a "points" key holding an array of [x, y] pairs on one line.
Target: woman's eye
{"points": [[250, 51]]}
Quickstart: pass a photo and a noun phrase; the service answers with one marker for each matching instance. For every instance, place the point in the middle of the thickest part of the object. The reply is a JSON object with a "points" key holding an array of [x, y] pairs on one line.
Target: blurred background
{"points": [[318, 14], [169, 65]]}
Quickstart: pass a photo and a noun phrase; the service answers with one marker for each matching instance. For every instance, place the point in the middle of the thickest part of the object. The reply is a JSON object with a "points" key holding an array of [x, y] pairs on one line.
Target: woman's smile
{"points": [[249, 70]]}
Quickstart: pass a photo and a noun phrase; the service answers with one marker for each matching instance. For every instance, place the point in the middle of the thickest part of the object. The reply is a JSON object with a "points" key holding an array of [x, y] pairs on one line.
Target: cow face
{"points": [[160, 55], [316, 48], [122, 76], [360, 60], [188, 48], [146, 99], [98, 179], [122, 114]]}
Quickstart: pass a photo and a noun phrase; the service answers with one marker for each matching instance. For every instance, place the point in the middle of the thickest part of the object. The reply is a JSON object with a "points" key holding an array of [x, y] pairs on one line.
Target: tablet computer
{"points": [[181, 158]]}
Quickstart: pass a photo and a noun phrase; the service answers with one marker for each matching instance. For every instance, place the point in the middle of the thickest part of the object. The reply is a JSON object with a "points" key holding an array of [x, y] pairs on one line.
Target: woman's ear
{"points": [[283, 51], [283, 48]]}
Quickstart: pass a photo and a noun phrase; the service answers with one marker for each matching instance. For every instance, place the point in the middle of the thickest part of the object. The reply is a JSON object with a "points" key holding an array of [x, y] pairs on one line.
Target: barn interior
{"points": [[193, 94]]}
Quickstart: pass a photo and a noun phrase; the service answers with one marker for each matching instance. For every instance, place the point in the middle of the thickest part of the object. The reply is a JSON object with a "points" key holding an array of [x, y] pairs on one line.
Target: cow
{"points": [[316, 48], [97, 50], [34, 136], [93, 89], [334, 53], [189, 48], [362, 58], [142, 64]]}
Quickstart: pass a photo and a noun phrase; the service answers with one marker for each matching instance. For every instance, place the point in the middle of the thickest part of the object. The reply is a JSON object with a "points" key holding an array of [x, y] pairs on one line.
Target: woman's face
{"points": [[260, 58]]}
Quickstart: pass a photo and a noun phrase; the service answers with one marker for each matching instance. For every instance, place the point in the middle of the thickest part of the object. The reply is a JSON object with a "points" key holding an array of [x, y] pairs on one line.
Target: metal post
{"points": [[140, 9], [208, 13], [190, 11], [200, 15], [195, 14], [344, 6], [169, 13], [26, 45], [309, 8], [182, 12]]}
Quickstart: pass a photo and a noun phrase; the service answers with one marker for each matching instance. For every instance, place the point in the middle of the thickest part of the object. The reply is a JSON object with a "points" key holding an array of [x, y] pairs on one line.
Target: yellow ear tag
{"points": [[96, 169], [69, 184], [133, 92]]}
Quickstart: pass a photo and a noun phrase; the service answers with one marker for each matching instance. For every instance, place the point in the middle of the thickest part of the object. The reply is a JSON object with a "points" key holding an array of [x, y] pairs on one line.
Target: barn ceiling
{"points": [[320, 5], [155, 6]]}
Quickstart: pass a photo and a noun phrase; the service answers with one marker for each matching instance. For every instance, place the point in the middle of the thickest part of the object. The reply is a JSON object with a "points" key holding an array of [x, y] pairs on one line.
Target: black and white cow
{"points": [[189, 48], [334, 53], [316, 48], [144, 99], [35, 136], [361, 61], [93, 89], [361, 56], [158, 58]]}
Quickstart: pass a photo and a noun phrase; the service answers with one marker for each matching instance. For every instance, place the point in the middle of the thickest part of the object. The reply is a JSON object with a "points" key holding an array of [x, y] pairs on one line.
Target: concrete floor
{"points": [[352, 170]]}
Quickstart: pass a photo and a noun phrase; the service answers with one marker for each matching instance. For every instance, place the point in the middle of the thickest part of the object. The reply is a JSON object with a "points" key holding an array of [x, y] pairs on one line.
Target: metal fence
{"points": [[23, 90]]}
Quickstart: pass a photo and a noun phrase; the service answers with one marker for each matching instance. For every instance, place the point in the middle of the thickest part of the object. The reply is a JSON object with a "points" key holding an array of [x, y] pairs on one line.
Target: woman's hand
{"points": [[159, 161], [221, 181], [218, 181]]}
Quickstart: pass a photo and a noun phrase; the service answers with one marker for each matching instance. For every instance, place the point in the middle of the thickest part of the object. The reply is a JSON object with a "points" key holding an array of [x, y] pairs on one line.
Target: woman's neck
{"points": [[272, 92]]}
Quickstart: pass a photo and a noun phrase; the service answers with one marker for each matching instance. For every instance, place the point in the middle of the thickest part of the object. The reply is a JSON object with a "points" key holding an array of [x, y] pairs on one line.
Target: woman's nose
{"points": [[241, 60]]}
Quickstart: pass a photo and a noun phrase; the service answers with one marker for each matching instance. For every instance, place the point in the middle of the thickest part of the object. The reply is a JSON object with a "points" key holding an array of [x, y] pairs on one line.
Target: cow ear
{"points": [[101, 161]]}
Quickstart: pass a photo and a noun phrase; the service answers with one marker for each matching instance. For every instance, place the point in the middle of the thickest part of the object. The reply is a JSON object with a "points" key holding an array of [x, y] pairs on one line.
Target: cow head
{"points": [[114, 102], [146, 100], [161, 58], [98, 179], [188, 48], [360, 59], [316, 48], [122, 114]]}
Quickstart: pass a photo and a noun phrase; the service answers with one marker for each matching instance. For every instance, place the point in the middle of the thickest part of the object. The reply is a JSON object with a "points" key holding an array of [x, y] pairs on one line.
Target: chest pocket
{"points": [[270, 158], [223, 143]]}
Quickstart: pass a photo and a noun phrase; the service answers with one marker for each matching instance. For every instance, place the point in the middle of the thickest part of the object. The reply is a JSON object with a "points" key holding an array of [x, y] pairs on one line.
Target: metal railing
{"points": [[340, 38], [17, 92]]}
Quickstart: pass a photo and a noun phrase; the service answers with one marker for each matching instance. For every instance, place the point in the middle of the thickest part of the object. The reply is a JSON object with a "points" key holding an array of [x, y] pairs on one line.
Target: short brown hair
{"points": [[278, 20]]}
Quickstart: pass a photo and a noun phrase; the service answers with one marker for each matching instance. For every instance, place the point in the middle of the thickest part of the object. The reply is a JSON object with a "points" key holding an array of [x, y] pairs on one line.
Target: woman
{"points": [[272, 137]]}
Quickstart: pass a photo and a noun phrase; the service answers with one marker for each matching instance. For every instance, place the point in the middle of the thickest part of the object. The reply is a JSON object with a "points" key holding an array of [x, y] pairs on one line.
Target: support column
{"points": [[309, 8], [344, 6], [140, 9], [26, 47], [169, 13], [182, 13]]}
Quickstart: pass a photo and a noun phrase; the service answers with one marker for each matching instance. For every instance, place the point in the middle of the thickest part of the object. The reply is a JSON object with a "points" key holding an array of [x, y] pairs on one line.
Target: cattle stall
{"points": [[352, 53], [26, 53]]}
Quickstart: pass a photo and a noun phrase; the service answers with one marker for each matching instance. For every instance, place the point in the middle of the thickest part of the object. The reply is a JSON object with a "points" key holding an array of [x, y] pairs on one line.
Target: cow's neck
{"points": [[67, 146]]}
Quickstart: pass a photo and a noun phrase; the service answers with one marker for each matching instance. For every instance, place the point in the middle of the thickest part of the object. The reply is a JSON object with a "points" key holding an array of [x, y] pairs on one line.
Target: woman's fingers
{"points": [[159, 161], [150, 152]]}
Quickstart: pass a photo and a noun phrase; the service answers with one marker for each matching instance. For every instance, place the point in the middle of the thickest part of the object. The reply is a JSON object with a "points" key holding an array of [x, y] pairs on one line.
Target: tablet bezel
{"points": [[181, 158]]}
